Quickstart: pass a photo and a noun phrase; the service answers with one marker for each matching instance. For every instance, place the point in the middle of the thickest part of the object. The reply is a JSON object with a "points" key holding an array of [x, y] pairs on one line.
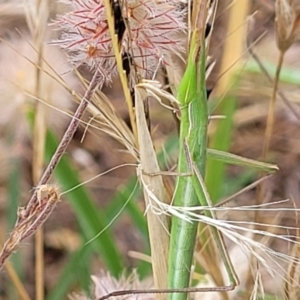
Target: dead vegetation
{"points": [[33, 70]]}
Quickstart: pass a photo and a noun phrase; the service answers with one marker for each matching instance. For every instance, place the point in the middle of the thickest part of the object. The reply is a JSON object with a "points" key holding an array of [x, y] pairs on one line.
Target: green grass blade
{"points": [[215, 171], [130, 190], [91, 219], [233, 159]]}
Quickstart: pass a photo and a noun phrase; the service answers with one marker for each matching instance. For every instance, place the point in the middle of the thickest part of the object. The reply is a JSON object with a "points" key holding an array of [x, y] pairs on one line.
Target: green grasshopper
{"points": [[189, 191]]}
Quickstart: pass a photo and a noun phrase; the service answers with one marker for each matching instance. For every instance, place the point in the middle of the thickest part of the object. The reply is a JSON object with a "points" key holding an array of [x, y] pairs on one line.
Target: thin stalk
{"points": [[122, 73], [271, 114], [166, 291], [37, 16], [39, 140], [266, 73], [66, 139], [16, 282], [269, 129]]}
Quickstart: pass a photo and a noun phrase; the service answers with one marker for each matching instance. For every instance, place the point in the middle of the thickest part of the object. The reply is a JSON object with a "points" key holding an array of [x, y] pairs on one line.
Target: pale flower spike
{"points": [[148, 33], [104, 284]]}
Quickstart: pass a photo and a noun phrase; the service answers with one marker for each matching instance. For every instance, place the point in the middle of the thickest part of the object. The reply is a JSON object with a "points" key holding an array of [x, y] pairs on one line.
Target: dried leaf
{"points": [[158, 225]]}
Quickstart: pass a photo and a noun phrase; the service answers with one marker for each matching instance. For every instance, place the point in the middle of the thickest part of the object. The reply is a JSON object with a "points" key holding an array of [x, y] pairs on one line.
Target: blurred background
{"points": [[241, 90]]}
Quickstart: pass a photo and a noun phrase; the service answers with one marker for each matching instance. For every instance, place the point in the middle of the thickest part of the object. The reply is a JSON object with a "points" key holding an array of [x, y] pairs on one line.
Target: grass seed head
{"points": [[151, 31], [287, 23], [104, 283]]}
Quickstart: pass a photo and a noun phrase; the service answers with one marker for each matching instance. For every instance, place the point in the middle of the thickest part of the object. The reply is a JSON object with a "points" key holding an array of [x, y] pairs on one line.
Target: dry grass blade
{"points": [[104, 114], [206, 251], [158, 225], [292, 278], [292, 283], [238, 14], [241, 234]]}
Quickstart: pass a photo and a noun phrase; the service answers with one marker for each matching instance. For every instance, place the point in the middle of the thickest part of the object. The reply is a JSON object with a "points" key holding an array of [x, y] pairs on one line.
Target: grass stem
{"points": [[66, 139], [271, 114]]}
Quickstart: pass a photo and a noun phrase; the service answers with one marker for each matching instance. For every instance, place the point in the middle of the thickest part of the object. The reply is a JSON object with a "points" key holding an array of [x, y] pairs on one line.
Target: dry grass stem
{"points": [[19, 286], [287, 23], [237, 26], [37, 19], [119, 61], [108, 120], [279, 92], [271, 113], [30, 219], [66, 139]]}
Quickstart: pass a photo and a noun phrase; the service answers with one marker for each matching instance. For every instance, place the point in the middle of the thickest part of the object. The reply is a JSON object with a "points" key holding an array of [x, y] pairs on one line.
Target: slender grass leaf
{"points": [[91, 219], [233, 159]]}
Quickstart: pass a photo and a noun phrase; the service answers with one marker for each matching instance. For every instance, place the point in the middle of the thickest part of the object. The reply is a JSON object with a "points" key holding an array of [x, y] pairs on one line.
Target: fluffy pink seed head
{"points": [[104, 283], [86, 36], [152, 33]]}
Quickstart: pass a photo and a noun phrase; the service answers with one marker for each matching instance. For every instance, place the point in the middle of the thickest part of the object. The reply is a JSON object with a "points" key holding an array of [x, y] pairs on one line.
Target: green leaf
{"points": [[90, 217], [233, 159], [215, 171]]}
